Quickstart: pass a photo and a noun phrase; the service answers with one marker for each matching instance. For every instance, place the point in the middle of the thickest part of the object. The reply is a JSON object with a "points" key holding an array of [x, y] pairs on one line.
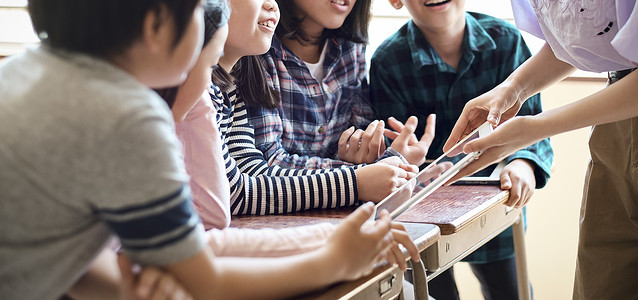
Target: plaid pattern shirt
{"points": [[408, 77], [304, 131]]}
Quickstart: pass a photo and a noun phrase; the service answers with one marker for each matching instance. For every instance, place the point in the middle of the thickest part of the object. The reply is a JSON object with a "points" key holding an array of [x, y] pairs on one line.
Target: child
{"points": [[112, 165], [257, 188], [594, 36], [437, 62], [316, 66]]}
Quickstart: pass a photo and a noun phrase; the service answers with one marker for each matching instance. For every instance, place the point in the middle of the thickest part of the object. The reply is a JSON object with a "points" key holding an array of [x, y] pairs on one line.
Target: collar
{"points": [[282, 52], [475, 39]]}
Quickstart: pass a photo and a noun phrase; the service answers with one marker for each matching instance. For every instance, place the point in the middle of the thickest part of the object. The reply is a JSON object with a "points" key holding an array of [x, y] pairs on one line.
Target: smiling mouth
{"points": [[339, 2], [436, 2], [268, 23]]}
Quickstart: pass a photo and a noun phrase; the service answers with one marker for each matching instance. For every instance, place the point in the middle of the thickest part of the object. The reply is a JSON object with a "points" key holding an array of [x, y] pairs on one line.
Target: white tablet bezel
{"points": [[481, 131]]}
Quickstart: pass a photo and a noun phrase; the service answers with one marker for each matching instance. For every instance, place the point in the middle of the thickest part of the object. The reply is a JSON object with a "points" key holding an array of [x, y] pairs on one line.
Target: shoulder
{"points": [[495, 27], [397, 43]]}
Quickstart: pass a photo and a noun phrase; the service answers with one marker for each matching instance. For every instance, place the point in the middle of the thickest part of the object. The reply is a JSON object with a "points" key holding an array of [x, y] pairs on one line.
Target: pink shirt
{"points": [[204, 162], [595, 36]]}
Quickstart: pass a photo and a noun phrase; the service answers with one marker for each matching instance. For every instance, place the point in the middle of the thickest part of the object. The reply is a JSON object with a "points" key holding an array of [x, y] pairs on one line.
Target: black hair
{"points": [[248, 74], [103, 28], [354, 28], [250, 77], [216, 14]]}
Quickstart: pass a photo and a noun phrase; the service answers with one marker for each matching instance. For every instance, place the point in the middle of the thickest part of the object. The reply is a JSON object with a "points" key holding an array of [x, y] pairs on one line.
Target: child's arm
{"points": [[350, 253]]}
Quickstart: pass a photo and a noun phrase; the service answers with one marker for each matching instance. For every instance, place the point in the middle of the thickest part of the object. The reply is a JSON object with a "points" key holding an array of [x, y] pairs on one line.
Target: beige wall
{"points": [[553, 212]]}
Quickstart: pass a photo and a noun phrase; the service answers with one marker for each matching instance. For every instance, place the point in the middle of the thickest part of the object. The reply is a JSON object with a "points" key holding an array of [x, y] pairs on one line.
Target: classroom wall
{"points": [[553, 213]]}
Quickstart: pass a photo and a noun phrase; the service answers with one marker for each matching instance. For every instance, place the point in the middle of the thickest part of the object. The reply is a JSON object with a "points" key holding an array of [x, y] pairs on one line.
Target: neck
{"points": [[228, 61], [308, 51], [447, 41]]}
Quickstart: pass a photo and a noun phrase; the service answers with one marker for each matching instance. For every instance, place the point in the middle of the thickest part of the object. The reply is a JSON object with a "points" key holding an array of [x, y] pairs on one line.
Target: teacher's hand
{"points": [[496, 106], [506, 139]]}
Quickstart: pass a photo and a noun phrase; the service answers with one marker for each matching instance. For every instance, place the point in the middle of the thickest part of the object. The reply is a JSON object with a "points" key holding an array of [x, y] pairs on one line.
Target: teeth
{"points": [[269, 24], [435, 2], [339, 2]]}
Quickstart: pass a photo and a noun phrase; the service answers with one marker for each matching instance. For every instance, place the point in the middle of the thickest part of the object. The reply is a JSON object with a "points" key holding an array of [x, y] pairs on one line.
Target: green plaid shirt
{"points": [[408, 77]]}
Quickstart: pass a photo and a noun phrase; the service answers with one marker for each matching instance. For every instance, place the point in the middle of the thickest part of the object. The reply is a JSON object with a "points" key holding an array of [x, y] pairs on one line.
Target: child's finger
{"points": [[395, 124], [366, 136], [391, 134], [360, 215], [343, 140], [428, 134]]}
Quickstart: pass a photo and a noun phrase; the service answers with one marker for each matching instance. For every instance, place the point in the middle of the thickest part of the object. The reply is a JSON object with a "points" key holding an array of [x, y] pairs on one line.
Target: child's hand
{"points": [[355, 249], [149, 283], [358, 146], [401, 237], [406, 143], [518, 178], [376, 181]]}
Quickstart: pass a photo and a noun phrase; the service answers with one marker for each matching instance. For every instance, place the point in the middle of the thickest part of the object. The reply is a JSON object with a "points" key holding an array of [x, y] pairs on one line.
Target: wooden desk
{"points": [[469, 217], [385, 282]]}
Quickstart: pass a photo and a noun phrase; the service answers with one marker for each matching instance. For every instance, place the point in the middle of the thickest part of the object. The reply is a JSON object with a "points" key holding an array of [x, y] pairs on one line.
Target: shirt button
{"points": [[321, 130]]}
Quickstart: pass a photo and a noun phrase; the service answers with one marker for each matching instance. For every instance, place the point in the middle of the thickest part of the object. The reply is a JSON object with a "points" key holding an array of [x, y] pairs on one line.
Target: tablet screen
{"points": [[431, 177]]}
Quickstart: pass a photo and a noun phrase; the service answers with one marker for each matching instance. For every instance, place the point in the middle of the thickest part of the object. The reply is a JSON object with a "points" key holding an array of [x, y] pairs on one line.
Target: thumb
{"points": [[494, 116], [506, 181], [360, 215], [479, 144]]}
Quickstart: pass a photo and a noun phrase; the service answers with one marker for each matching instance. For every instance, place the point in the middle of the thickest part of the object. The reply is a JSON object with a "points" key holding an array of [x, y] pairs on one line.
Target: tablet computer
{"points": [[432, 176], [491, 175]]}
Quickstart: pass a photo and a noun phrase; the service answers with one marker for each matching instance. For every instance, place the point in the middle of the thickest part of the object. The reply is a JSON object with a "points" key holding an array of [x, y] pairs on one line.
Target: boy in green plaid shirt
{"points": [[434, 64]]}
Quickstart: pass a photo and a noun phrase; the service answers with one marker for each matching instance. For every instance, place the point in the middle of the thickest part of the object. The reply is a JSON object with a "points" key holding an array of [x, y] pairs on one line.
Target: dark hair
{"points": [[216, 14], [250, 77], [248, 74], [103, 28], [354, 28]]}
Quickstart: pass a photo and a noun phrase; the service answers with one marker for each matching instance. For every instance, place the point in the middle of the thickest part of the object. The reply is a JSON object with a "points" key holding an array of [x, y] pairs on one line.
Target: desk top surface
{"points": [[449, 207], [453, 207]]}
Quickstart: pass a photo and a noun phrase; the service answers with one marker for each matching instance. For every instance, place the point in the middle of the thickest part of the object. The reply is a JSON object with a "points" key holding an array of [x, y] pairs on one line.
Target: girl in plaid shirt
{"points": [[316, 65]]}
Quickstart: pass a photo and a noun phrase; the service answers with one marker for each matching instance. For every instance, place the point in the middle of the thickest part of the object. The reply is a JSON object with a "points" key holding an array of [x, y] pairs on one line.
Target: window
{"points": [[16, 31]]}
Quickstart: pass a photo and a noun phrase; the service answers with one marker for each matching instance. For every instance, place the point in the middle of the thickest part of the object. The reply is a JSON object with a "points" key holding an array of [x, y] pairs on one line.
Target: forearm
{"points": [[537, 73], [613, 103], [225, 278], [269, 242], [263, 195]]}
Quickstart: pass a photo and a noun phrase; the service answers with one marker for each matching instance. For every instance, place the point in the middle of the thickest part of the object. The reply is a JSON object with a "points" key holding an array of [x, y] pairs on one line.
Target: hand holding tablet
{"points": [[433, 176]]}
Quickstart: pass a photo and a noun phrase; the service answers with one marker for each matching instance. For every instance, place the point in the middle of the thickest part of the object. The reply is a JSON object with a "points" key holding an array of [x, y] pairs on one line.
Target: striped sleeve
{"points": [[150, 232], [259, 189]]}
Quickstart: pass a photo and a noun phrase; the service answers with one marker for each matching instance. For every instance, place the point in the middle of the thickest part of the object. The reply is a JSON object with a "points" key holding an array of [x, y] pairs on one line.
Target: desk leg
{"points": [[521, 260], [420, 280]]}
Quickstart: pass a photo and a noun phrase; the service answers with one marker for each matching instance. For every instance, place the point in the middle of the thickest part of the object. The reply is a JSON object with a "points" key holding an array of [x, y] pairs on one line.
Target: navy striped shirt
{"points": [[260, 189]]}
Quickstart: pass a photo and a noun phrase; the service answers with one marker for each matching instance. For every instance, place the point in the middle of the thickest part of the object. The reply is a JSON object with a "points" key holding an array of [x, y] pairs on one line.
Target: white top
{"points": [[316, 69], [595, 36]]}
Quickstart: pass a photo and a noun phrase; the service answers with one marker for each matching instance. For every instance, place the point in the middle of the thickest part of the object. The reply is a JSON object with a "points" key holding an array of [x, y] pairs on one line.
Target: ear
{"points": [[157, 32], [396, 4]]}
